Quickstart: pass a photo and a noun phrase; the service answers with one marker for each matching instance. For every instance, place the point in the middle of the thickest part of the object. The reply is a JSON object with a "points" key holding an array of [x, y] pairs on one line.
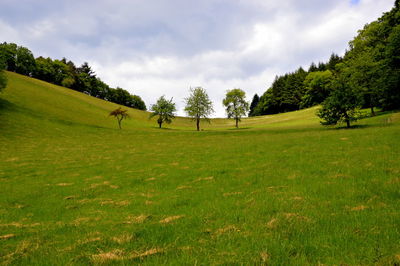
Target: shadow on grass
{"points": [[240, 128], [7, 108], [163, 128], [6, 105], [379, 113], [350, 128], [291, 130]]}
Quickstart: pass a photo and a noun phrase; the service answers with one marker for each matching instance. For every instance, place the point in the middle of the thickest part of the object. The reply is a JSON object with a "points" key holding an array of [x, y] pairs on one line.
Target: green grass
{"points": [[282, 190]]}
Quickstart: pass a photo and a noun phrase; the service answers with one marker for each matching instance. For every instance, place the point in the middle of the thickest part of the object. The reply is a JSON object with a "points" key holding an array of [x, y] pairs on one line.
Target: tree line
{"points": [[367, 76], [198, 106], [63, 72]]}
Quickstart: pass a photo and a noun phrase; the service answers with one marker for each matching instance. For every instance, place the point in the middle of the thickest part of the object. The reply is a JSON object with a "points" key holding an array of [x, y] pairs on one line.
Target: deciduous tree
{"points": [[164, 109], [341, 105], [198, 105], [119, 114], [8, 55], [25, 62], [318, 87], [236, 105]]}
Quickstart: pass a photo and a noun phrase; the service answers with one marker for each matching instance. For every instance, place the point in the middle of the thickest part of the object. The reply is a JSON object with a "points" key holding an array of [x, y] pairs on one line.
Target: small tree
{"points": [[198, 105], [119, 114], [164, 109], [236, 105], [341, 105]]}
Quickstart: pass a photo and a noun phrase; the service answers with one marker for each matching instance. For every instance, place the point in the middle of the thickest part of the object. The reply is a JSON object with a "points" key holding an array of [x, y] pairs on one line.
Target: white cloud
{"points": [[7, 32]]}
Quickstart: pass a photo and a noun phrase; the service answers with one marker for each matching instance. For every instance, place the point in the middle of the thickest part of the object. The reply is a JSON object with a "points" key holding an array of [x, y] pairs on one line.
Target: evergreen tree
{"points": [[333, 61], [313, 67], [253, 105]]}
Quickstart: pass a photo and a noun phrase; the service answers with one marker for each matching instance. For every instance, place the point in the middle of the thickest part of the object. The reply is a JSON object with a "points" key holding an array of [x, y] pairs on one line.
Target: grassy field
{"points": [[282, 190]]}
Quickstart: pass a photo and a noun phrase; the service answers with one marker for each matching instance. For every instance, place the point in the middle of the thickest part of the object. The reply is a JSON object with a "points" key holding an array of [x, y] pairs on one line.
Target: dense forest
{"points": [[65, 73], [370, 69]]}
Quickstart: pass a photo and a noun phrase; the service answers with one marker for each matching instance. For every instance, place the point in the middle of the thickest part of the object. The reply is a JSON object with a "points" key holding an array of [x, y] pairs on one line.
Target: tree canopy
{"points": [[318, 86], [374, 61]]}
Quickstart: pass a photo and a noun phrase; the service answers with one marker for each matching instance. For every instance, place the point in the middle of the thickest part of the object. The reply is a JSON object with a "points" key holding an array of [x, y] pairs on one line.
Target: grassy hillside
{"points": [[283, 190], [51, 102]]}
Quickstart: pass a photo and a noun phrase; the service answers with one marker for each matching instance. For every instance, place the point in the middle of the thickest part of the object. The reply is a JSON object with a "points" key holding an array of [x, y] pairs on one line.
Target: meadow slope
{"points": [[282, 190]]}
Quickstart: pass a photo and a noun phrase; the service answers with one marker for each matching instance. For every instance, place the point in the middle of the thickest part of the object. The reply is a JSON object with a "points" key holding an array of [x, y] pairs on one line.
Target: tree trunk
{"points": [[160, 121], [347, 119], [119, 122], [198, 124], [237, 122], [372, 111]]}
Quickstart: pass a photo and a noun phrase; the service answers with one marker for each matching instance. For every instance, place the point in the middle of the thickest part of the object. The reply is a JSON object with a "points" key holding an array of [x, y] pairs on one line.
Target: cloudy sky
{"points": [[164, 47]]}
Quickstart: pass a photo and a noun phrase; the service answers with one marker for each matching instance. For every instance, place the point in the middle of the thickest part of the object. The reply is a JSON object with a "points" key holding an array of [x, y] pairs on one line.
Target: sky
{"points": [[164, 47]]}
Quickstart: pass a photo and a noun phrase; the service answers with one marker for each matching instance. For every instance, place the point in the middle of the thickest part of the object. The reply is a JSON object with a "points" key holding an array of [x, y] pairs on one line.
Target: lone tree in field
{"points": [[236, 105], [119, 114], [164, 109], [198, 105], [341, 105]]}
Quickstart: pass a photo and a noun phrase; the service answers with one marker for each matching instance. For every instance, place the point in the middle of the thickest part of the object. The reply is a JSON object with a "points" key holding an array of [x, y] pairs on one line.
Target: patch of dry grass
{"points": [[359, 208], [7, 236], [226, 229], [137, 219], [272, 223], [146, 253], [105, 257], [64, 184], [20, 225], [122, 239], [121, 203], [171, 219], [209, 178]]}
